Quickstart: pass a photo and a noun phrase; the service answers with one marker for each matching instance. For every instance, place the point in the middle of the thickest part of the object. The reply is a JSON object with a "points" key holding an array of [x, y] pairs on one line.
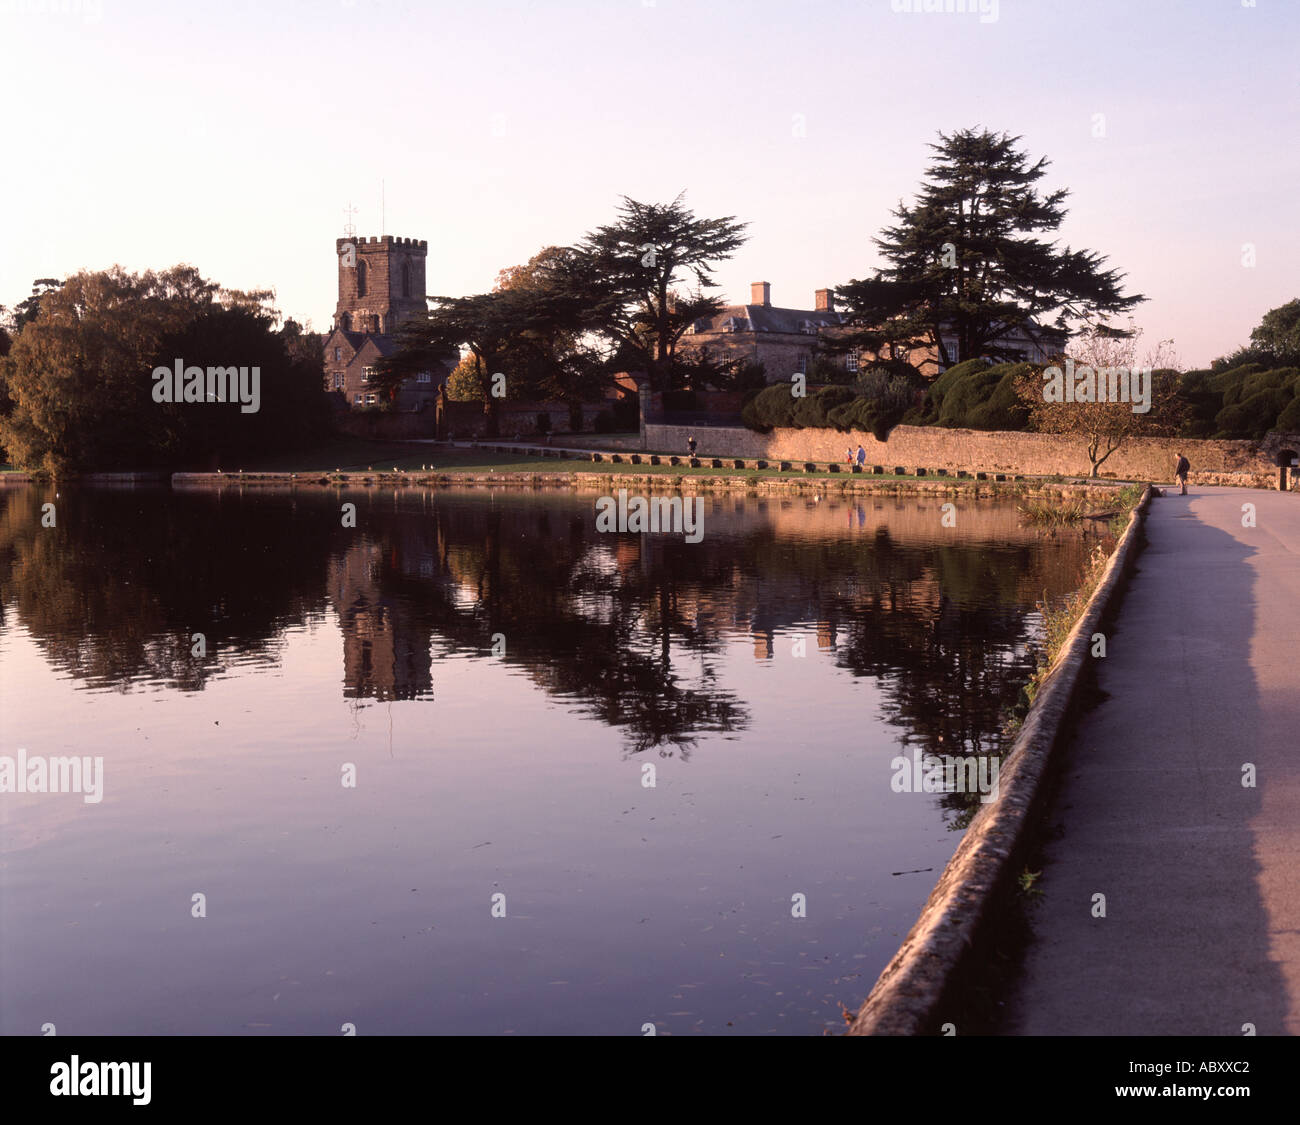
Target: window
{"points": [[370, 400], [851, 361], [367, 373], [357, 400], [424, 377], [338, 380], [338, 355], [406, 279], [361, 278], [802, 365]]}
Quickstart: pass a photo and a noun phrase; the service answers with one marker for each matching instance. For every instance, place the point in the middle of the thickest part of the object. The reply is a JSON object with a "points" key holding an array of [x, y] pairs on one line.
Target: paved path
{"points": [[1201, 875]]}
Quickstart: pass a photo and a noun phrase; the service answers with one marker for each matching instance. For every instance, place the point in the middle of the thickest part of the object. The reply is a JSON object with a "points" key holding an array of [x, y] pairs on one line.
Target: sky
{"points": [[232, 134]]}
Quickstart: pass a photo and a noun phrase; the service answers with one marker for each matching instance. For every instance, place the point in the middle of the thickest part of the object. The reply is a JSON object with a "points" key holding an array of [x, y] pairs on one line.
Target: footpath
{"points": [[1200, 873]]}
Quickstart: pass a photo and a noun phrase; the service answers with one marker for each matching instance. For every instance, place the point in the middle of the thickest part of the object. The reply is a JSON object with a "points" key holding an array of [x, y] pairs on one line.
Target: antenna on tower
{"points": [[349, 227], [383, 227]]}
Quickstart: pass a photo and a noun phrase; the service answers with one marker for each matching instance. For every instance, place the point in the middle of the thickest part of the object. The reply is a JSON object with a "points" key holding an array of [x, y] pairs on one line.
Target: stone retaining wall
{"points": [[974, 450]]}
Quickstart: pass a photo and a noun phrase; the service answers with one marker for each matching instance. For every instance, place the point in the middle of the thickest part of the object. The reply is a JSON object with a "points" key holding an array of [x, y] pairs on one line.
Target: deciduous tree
{"points": [[1105, 427]]}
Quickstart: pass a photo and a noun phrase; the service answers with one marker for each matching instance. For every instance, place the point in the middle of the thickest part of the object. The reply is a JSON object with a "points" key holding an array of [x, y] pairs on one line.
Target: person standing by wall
{"points": [[1181, 469]]}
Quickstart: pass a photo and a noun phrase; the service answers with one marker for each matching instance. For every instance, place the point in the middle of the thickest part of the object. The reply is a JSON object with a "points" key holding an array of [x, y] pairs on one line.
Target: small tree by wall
{"points": [[1105, 427]]}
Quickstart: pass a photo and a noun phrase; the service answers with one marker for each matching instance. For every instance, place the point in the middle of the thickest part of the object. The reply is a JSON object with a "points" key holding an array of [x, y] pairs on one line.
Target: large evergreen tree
{"points": [[966, 265], [634, 273]]}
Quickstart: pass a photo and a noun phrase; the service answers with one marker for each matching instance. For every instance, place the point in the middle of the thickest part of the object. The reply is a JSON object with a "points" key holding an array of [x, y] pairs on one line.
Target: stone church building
{"points": [[381, 286]]}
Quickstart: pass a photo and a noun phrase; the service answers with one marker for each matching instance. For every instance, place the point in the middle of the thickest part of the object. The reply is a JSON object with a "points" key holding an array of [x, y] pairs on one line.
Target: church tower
{"points": [[381, 283]]}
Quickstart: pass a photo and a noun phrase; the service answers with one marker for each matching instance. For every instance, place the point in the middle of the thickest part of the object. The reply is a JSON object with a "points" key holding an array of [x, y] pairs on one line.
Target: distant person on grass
{"points": [[1181, 470]]}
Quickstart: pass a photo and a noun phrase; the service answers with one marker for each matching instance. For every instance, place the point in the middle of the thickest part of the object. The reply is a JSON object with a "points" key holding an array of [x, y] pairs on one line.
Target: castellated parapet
{"points": [[381, 282]]}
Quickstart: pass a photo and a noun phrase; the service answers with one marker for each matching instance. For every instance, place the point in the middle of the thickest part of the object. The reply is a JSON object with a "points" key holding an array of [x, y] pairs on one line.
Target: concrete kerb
{"points": [[910, 992]]}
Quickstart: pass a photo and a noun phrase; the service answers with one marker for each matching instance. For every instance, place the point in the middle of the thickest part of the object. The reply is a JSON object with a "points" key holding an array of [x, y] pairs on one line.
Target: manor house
{"points": [[785, 340]]}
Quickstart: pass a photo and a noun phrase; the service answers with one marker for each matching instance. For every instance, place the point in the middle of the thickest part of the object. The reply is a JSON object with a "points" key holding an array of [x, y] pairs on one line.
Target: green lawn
{"points": [[359, 455]]}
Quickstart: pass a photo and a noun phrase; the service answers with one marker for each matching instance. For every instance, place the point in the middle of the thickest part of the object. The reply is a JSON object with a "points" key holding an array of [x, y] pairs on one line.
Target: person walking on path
{"points": [[690, 444], [862, 456], [1181, 470]]}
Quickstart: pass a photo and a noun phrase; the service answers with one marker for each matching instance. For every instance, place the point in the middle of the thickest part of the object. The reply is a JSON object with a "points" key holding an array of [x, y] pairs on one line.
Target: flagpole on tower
{"points": [[383, 228]]}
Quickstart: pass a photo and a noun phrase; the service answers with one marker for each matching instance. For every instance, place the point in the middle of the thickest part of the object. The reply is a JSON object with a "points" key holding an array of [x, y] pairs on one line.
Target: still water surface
{"points": [[496, 674]]}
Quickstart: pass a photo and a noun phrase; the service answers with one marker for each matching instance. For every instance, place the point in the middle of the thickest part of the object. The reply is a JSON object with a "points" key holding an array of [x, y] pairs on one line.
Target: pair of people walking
{"points": [[860, 457]]}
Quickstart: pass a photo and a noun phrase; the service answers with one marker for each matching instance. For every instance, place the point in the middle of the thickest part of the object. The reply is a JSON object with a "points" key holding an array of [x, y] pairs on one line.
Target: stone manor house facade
{"points": [[785, 340]]}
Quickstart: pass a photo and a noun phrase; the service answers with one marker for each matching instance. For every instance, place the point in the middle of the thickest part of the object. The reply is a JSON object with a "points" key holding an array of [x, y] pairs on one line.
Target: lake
{"points": [[472, 766]]}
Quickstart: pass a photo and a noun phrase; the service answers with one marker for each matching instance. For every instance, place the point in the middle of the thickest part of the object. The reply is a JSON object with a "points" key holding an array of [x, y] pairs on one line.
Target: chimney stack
{"points": [[825, 300], [760, 293]]}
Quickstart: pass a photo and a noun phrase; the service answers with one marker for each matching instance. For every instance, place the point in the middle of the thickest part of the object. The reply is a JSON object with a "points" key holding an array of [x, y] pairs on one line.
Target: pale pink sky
{"points": [[232, 135]]}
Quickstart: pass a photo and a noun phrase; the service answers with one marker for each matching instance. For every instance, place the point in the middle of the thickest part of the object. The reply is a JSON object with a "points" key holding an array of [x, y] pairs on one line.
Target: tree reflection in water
{"points": [[630, 628]]}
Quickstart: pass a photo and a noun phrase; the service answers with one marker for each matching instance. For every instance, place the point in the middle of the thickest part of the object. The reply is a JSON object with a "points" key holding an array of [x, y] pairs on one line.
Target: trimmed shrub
{"points": [[1229, 382], [1255, 416], [813, 411], [1289, 420], [772, 406], [1004, 409], [939, 389]]}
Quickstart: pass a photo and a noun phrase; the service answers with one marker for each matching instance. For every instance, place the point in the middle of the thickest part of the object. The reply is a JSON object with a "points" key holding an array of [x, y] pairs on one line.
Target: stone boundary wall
{"points": [[380, 425], [975, 450], [467, 420], [910, 993]]}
